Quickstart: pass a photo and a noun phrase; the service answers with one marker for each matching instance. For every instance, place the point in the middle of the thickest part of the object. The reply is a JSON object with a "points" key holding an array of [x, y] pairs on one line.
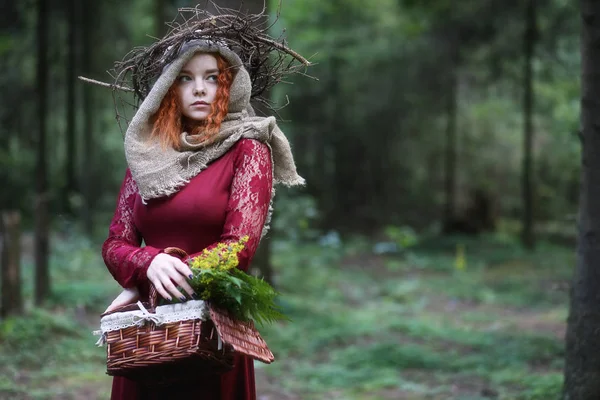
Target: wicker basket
{"points": [[173, 343]]}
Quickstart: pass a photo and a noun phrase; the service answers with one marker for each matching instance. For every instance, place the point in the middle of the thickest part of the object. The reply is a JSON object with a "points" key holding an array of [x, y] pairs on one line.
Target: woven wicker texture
{"points": [[242, 336], [154, 353], [178, 351]]}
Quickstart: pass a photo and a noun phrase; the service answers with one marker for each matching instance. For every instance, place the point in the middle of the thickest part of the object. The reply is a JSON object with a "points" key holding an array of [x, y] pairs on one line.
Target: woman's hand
{"points": [[166, 273], [127, 296]]}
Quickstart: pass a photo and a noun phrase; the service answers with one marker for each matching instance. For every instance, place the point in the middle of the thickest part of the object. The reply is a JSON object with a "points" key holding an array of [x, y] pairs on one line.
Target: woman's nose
{"points": [[199, 86]]}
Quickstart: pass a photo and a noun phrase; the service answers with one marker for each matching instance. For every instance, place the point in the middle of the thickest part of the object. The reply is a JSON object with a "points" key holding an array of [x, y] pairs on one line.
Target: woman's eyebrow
{"points": [[208, 71]]}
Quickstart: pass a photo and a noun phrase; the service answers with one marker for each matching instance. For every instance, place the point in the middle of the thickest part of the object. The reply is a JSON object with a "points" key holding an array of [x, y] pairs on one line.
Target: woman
{"points": [[200, 171]]}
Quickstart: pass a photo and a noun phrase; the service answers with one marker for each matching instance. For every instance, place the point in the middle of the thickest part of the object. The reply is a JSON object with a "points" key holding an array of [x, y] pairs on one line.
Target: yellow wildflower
{"points": [[223, 257]]}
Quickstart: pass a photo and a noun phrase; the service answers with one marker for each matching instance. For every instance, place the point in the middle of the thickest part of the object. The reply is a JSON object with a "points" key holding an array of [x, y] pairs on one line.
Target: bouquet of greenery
{"points": [[245, 297]]}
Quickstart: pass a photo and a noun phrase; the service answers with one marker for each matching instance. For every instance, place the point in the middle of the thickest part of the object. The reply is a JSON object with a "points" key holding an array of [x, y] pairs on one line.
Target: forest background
{"points": [[440, 145]]}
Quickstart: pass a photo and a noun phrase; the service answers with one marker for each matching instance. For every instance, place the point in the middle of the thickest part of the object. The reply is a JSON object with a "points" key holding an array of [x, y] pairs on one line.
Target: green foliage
{"points": [[404, 236], [397, 115], [20, 333], [14, 157], [40, 352], [370, 328], [49, 353], [369, 138], [543, 387], [295, 216], [361, 325], [88, 295], [372, 139], [216, 278]]}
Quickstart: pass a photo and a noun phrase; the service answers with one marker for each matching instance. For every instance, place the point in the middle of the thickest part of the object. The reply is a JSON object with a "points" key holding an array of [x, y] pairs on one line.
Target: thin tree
{"points": [[527, 234], [87, 8], [582, 341], [11, 300], [450, 154], [71, 185], [42, 275]]}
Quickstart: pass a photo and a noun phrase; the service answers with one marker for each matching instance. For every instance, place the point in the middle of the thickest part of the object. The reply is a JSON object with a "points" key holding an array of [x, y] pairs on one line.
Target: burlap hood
{"points": [[160, 171]]}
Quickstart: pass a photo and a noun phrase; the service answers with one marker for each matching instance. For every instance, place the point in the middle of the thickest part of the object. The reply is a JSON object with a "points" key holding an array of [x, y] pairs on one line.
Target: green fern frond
{"points": [[245, 297]]}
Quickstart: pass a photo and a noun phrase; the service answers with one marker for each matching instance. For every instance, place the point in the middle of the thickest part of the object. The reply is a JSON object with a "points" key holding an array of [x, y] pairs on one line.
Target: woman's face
{"points": [[197, 86]]}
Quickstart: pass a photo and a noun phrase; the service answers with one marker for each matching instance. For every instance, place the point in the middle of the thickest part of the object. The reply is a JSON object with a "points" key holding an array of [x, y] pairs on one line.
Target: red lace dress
{"points": [[226, 201]]}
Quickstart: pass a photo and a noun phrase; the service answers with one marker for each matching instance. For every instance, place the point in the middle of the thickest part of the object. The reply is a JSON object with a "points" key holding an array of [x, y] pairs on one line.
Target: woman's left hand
{"points": [[127, 296]]}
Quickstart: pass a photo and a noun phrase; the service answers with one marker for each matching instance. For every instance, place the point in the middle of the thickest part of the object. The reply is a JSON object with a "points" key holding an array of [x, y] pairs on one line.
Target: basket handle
{"points": [[172, 251]]}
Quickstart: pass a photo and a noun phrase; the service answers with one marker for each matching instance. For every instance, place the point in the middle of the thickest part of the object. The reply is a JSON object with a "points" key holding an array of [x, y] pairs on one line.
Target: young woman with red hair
{"points": [[173, 117], [201, 168]]}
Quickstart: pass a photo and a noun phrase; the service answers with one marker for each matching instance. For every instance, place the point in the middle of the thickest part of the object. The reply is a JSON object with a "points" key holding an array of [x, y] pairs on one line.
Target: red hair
{"points": [[169, 123]]}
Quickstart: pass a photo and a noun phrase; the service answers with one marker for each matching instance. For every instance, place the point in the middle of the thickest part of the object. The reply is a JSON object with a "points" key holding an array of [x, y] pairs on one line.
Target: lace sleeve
{"points": [[125, 259], [249, 198]]}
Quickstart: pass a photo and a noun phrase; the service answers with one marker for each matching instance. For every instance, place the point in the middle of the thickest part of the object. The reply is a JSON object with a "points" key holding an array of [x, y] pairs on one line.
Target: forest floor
{"points": [[454, 318]]}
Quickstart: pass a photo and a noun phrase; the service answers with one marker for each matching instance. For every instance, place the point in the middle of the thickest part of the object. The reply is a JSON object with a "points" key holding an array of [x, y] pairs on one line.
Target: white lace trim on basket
{"points": [[193, 309]]}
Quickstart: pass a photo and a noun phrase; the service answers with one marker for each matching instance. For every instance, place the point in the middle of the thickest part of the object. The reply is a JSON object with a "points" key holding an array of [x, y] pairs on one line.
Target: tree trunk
{"points": [[42, 275], [527, 234], [159, 18], [582, 361], [87, 28], [10, 264], [451, 142], [71, 185]]}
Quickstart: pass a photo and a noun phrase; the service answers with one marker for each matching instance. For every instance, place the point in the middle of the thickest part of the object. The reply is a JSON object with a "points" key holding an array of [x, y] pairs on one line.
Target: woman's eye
{"points": [[184, 78], [213, 78]]}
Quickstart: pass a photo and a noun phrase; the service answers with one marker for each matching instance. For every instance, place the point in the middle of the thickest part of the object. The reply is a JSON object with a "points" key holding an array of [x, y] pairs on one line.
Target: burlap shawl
{"points": [[160, 171]]}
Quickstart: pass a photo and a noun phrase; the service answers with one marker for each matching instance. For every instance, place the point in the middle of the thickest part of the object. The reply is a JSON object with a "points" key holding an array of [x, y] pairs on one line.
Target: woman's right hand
{"points": [[127, 296], [166, 273]]}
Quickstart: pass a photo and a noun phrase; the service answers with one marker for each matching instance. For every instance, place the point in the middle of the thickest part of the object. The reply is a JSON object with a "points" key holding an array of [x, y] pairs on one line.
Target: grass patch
{"points": [[363, 326], [49, 353], [46, 355]]}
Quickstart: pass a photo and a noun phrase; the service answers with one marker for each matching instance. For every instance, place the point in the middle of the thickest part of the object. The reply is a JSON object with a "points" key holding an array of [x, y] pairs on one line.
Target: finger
{"points": [[113, 306], [110, 308], [157, 280], [181, 281], [161, 290], [183, 269], [127, 296], [170, 287]]}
